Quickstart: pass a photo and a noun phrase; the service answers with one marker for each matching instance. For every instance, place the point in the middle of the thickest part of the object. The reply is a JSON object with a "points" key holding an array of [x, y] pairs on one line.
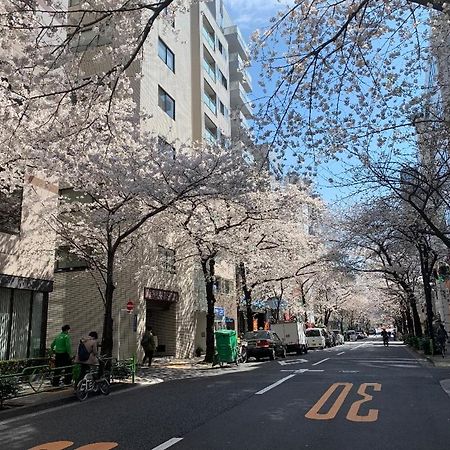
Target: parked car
{"points": [[360, 335], [292, 334], [350, 335], [329, 338], [264, 344], [315, 338], [338, 337]]}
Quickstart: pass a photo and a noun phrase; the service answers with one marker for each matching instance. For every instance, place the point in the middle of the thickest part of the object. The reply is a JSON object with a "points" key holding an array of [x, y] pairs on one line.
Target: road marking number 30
{"points": [[353, 413], [62, 445]]}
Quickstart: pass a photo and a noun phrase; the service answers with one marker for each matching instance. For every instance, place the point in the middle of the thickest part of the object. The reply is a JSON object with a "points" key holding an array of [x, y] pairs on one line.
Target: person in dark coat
{"points": [[148, 343]]}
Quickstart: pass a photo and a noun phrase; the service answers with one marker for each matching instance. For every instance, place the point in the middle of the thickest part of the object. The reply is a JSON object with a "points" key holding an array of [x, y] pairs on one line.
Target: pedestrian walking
{"points": [[442, 338], [62, 349], [87, 353], [385, 334], [148, 343]]}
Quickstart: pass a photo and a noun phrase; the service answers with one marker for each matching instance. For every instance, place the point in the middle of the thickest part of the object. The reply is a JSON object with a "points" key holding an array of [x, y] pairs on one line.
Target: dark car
{"points": [[329, 338], [264, 344]]}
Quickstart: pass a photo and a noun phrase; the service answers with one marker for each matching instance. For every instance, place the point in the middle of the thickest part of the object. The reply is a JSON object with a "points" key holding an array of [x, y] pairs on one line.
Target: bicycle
{"points": [[92, 382]]}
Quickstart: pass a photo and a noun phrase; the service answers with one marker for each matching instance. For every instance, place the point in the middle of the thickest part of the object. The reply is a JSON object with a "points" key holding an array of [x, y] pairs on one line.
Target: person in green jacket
{"points": [[62, 348]]}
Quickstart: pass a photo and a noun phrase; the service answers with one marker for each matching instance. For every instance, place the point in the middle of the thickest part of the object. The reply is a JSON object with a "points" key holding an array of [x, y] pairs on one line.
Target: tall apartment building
{"points": [[191, 85]]}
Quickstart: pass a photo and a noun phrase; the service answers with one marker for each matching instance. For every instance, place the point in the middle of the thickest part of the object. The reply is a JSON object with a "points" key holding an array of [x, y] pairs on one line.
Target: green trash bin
{"points": [[226, 346]]}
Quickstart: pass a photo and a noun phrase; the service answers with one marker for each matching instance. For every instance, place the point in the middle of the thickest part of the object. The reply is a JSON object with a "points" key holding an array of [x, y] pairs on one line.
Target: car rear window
{"points": [[312, 333], [257, 335]]}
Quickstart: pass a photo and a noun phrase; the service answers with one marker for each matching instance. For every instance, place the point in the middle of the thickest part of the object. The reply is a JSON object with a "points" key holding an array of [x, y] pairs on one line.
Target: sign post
{"points": [[129, 309]]}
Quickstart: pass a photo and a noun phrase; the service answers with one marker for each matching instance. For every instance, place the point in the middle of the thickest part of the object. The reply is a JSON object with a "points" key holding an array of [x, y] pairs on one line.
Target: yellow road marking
{"points": [[60, 445], [372, 415], [314, 413]]}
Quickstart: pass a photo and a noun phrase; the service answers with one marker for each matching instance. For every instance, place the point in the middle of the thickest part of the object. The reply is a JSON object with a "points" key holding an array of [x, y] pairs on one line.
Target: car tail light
{"points": [[262, 344]]}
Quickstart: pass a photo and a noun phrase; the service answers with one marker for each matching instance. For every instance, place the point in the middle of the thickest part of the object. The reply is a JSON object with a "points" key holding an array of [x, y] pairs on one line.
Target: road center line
{"points": [[320, 362], [268, 388], [340, 353], [354, 348], [167, 444]]}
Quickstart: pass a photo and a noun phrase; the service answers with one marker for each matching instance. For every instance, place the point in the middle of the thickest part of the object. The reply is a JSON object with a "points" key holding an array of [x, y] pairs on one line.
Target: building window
{"points": [[166, 55], [223, 109], [11, 211], [166, 102], [222, 286], [90, 36], [220, 47], [223, 80], [166, 148], [166, 257], [67, 261]]}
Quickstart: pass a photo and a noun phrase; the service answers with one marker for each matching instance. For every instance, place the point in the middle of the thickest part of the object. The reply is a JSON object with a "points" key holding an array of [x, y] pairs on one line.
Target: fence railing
{"points": [[36, 379]]}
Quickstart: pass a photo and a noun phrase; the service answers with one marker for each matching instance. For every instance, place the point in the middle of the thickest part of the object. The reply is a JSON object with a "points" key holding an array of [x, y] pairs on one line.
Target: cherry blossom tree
{"points": [[279, 250], [350, 78]]}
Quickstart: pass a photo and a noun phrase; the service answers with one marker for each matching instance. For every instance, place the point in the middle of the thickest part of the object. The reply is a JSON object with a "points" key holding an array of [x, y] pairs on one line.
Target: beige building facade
{"points": [[185, 89]]}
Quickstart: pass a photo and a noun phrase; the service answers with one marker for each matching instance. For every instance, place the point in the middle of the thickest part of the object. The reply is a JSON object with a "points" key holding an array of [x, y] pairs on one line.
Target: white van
{"points": [[315, 338], [292, 334]]}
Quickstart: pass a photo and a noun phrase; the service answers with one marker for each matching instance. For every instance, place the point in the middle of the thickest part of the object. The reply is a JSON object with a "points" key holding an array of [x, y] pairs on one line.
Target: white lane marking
{"points": [[340, 353], [359, 346], [320, 362], [167, 444], [309, 370], [293, 361], [268, 388]]}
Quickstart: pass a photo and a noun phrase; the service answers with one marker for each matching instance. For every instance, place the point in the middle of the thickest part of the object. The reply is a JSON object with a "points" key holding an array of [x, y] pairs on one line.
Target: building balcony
{"points": [[240, 100], [209, 38], [238, 72], [210, 70], [236, 43]]}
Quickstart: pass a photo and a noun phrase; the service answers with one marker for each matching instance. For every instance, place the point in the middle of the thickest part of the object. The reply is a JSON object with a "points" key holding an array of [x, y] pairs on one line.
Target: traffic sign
{"points": [[130, 306]]}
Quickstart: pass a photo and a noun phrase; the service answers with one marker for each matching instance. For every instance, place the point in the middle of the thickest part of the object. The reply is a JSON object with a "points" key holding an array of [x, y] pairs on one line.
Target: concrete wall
{"points": [[30, 253]]}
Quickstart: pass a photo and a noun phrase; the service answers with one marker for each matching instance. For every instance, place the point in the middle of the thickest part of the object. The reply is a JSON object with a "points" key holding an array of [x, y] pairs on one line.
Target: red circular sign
{"points": [[130, 306]]}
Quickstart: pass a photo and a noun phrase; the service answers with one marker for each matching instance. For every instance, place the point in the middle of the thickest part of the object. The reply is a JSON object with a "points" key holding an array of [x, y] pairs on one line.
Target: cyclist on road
{"points": [[385, 336], [442, 337]]}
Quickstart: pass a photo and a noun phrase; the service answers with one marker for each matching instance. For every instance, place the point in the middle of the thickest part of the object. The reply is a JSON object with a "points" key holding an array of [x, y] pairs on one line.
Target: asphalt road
{"points": [[357, 396]]}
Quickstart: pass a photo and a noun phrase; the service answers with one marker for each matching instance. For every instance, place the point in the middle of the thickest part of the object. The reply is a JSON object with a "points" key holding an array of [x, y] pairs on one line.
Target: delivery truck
{"points": [[292, 335]]}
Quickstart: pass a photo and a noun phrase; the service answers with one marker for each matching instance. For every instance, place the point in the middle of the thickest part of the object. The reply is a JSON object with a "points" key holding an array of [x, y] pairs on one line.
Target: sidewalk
{"points": [[436, 360], [162, 370]]}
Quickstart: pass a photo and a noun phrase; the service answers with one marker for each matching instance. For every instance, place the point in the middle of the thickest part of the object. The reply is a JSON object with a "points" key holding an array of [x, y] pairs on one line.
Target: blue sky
{"points": [[250, 15]]}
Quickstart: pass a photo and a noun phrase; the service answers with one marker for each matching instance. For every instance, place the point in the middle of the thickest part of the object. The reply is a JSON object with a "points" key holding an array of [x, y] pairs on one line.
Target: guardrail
{"points": [[37, 379]]}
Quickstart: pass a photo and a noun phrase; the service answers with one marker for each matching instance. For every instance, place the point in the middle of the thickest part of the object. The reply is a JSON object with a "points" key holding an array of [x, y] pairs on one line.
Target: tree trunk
{"points": [[108, 323], [413, 304], [247, 296], [426, 270], [208, 267]]}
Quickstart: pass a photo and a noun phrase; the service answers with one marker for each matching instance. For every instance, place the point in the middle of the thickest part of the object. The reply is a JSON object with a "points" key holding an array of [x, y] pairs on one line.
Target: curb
{"points": [[67, 398], [430, 358]]}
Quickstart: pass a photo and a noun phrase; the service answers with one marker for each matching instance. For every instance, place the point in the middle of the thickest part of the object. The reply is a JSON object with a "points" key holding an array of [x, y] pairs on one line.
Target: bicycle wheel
{"points": [[104, 387], [82, 390]]}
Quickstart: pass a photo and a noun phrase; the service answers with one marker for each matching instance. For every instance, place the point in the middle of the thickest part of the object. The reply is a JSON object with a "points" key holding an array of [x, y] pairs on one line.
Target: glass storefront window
{"points": [[20, 324], [5, 300], [36, 325]]}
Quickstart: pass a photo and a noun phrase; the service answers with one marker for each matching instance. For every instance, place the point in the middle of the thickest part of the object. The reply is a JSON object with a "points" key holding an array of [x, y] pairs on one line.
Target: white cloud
{"points": [[252, 14]]}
